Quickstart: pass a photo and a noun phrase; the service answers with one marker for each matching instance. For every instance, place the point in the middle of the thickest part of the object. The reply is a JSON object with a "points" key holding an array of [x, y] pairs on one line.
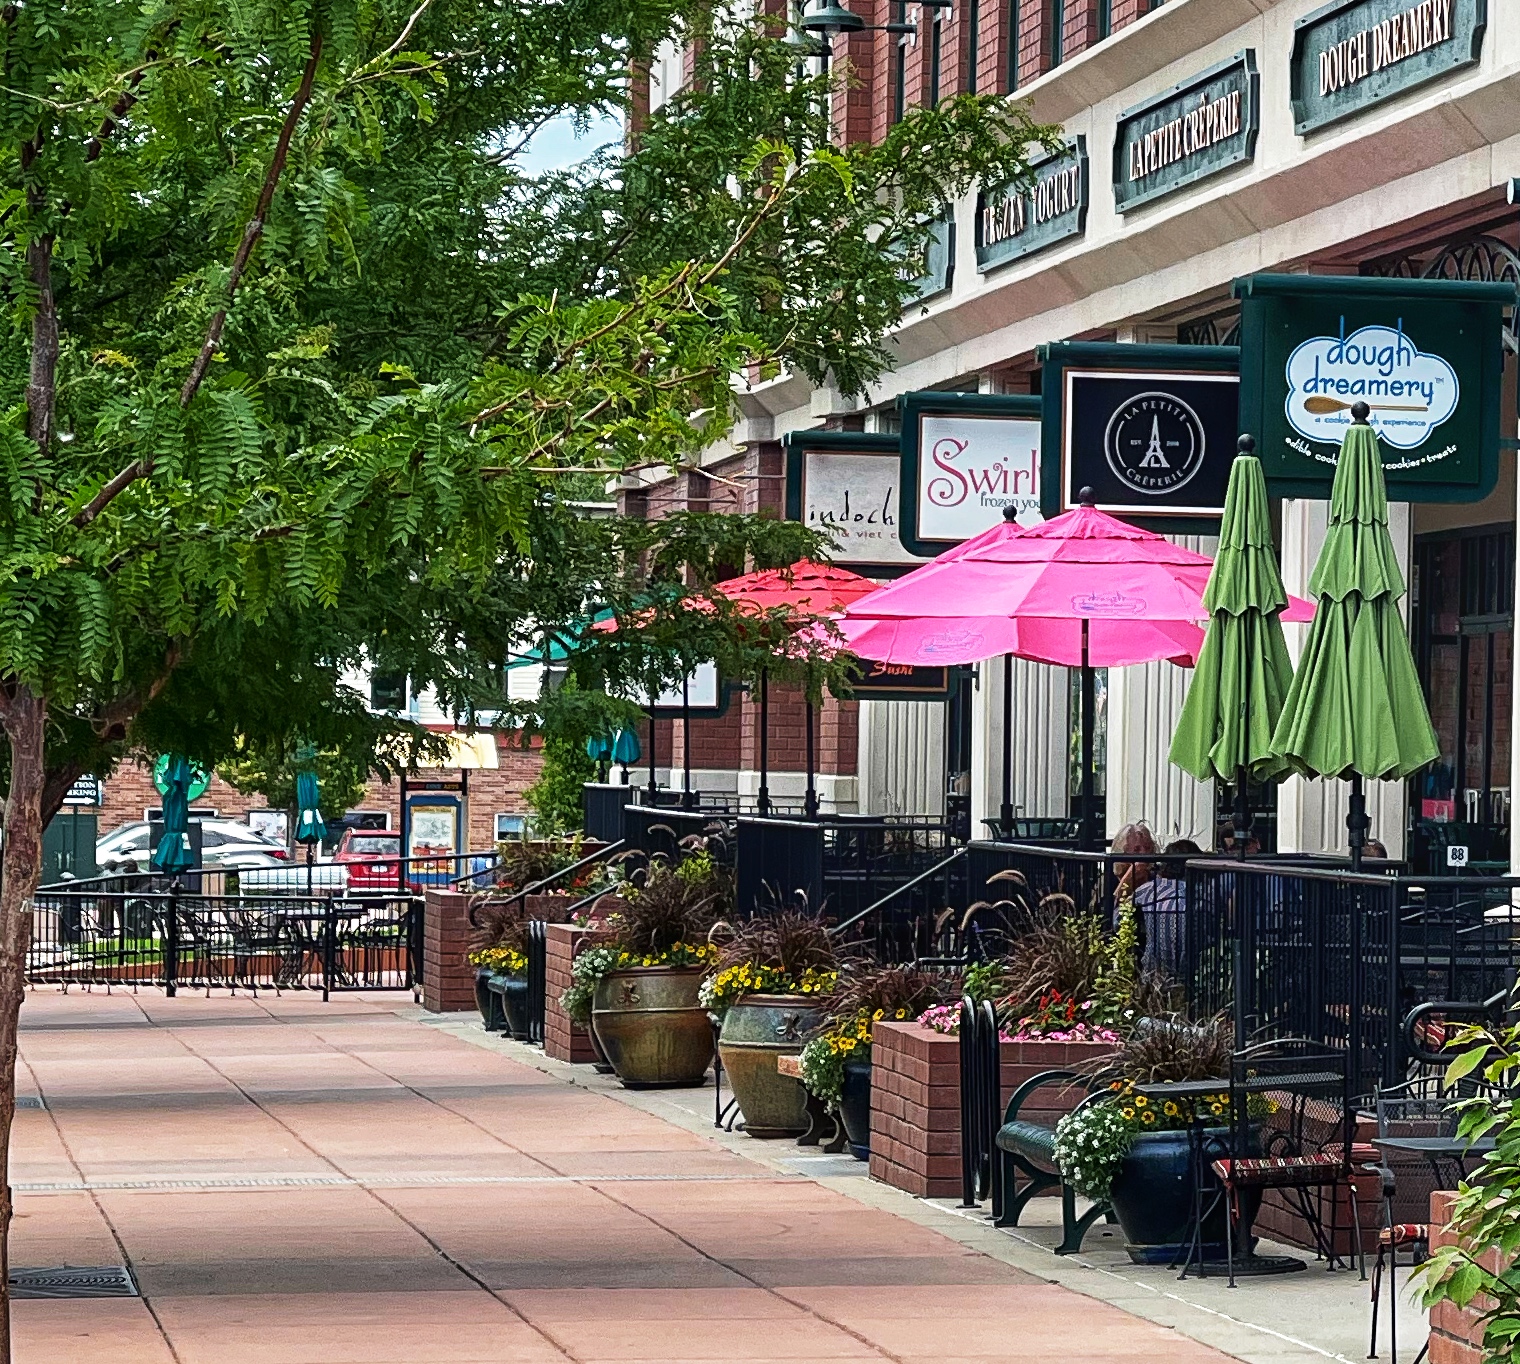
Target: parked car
{"points": [[225, 846], [370, 857]]}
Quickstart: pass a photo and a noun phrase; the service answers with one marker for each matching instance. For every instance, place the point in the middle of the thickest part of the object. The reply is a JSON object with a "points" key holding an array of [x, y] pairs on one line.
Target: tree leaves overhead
{"points": [[302, 369]]}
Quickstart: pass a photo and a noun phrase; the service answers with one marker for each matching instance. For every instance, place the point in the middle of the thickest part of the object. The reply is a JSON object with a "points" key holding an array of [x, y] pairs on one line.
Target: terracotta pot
{"points": [[757, 1030], [651, 1028]]}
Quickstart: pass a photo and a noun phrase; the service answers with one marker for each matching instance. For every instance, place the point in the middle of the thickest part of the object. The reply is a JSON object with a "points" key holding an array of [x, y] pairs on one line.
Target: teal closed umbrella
{"points": [[626, 750], [311, 828], [1355, 708], [174, 853]]}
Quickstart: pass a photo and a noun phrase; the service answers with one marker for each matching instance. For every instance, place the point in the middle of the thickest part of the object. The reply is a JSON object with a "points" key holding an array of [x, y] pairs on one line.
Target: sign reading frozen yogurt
{"points": [[1410, 392], [1426, 356], [967, 458]]}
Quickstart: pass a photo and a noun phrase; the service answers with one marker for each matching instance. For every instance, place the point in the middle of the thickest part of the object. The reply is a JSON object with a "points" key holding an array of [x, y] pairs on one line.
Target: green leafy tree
{"points": [[300, 365]]}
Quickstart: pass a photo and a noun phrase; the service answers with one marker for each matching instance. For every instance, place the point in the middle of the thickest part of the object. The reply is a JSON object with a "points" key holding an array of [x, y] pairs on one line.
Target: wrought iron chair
{"points": [[1292, 1129]]}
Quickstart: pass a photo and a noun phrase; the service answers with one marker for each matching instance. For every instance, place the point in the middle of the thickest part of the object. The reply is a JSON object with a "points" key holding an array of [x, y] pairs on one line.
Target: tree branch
{"points": [[124, 479]]}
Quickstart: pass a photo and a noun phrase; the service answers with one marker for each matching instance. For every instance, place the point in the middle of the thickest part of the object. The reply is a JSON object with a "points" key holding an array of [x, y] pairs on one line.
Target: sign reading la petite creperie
{"points": [[1350, 55], [1202, 126]]}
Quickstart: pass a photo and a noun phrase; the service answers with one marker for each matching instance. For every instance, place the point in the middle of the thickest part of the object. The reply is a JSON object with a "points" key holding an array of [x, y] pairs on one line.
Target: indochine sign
{"points": [[845, 483], [1017, 223], [966, 458], [1198, 128], [1426, 356], [1352, 54]]}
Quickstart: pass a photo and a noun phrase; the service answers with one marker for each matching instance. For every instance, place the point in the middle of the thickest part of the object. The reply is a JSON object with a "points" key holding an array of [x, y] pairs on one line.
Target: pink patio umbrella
{"points": [[1082, 590]]}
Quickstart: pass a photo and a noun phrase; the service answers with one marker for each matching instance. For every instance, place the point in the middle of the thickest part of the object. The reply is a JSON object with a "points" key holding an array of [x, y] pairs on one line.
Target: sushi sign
{"points": [[1426, 356]]}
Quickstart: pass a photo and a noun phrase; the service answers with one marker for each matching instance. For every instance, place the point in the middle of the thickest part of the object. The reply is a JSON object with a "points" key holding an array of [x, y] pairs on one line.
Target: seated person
{"points": [[1162, 905]]}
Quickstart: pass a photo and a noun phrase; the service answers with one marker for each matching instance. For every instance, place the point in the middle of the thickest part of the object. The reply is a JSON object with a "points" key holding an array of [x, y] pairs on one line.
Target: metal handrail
{"points": [[1491, 1008], [898, 890], [549, 880]]}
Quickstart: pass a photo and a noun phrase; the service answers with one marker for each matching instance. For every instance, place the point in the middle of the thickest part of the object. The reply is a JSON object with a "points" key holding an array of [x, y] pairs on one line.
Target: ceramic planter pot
{"points": [[651, 1027], [514, 1000], [488, 1001], [1153, 1199], [855, 1107], [757, 1030]]}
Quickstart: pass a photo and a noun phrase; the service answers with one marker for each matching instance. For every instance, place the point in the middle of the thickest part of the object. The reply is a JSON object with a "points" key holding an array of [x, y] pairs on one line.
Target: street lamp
{"points": [[832, 19]]}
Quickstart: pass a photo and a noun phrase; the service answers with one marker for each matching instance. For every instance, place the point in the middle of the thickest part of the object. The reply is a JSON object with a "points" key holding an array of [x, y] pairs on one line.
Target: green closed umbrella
{"points": [[1243, 671], [311, 828], [1355, 708], [174, 853]]}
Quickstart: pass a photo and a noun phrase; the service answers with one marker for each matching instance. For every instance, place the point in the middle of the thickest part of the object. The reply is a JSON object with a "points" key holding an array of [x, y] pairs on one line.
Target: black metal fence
{"points": [[538, 961], [142, 935], [779, 862]]}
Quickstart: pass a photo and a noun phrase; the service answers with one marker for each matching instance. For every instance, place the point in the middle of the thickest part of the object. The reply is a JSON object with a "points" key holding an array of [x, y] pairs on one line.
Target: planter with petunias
{"points": [[769, 990], [1139, 1153], [639, 991], [836, 1065]]}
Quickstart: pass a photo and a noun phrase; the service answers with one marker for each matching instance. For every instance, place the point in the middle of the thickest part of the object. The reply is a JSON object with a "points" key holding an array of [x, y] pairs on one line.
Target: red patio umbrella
{"points": [[808, 591]]}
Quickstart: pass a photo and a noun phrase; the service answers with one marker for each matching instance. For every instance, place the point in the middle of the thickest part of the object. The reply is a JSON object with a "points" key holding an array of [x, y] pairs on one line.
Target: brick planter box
{"points": [[916, 1100], [1456, 1335], [564, 1040], [448, 981]]}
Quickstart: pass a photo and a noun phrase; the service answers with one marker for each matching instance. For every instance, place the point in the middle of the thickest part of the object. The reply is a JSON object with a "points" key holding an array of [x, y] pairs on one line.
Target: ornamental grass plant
{"points": [[868, 993], [787, 953]]}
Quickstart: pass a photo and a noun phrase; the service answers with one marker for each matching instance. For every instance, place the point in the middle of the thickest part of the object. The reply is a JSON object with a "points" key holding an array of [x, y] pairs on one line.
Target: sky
{"points": [[556, 144]]}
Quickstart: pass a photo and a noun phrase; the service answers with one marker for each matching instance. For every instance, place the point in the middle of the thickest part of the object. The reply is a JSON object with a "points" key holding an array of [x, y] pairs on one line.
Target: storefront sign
{"points": [[1353, 54], [900, 682], [933, 269], [966, 457], [845, 483], [1011, 225], [704, 695], [1426, 356], [1150, 429], [1198, 128]]}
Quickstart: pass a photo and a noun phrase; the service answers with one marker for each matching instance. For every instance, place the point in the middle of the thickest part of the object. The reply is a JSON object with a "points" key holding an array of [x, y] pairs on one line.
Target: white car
{"points": [[225, 846]]}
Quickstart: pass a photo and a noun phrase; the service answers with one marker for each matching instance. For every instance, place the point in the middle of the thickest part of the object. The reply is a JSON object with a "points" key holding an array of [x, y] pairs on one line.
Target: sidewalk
{"points": [[290, 1181]]}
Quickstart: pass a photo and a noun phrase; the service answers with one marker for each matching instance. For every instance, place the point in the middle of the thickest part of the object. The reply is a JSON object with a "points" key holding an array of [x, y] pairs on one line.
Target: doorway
{"points": [[1462, 606]]}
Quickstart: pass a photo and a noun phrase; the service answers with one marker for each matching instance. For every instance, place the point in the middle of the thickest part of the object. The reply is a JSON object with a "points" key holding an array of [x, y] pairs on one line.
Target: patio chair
{"points": [[1292, 1126]]}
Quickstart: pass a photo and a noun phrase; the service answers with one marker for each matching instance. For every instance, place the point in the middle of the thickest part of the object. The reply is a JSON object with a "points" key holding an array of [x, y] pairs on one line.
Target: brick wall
{"points": [[992, 34], [916, 1096], [1080, 29], [1034, 39], [130, 790], [1456, 1334], [448, 981], [1127, 11], [564, 1040]]}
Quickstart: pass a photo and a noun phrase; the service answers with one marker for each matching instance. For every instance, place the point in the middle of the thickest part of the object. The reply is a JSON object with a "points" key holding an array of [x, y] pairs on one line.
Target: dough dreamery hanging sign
{"points": [[1353, 54], [1198, 128], [1425, 355]]}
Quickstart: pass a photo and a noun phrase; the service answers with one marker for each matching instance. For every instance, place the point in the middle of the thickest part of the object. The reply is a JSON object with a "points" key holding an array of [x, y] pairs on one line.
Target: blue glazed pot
{"points": [[855, 1107], [1152, 1197]]}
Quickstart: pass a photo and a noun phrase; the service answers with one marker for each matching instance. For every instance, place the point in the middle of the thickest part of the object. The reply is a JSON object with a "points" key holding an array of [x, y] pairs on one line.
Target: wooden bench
{"points": [[1026, 1148]]}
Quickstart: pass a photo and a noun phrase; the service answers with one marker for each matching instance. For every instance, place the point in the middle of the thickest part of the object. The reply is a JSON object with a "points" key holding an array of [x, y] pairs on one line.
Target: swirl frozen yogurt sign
{"points": [[1410, 392]]}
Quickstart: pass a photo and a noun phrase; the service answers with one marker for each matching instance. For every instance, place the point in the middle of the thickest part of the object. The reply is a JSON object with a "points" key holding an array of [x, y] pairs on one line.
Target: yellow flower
{"points": [[1170, 1109], [1141, 1101], [1147, 1117], [1216, 1109], [1128, 1114]]}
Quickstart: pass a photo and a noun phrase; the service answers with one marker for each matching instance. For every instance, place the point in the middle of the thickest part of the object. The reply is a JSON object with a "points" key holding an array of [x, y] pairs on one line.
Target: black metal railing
{"points": [[779, 863], [922, 920], [661, 832], [981, 1066], [538, 961], [1343, 958], [172, 938]]}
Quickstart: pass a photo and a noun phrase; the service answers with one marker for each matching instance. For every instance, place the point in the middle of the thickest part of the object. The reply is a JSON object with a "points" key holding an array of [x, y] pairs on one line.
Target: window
{"points": [[387, 692], [385, 845], [900, 78], [1057, 35], [1013, 44], [972, 38], [511, 826], [1105, 18], [934, 51]]}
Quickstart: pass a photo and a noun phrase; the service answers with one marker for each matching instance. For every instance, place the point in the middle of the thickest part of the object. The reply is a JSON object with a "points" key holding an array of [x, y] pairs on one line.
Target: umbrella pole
{"points": [[810, 800], [653, 786], [1005, 815], [1356, 821], [763, 799], [688, 799], [308, 870], [1089, 724], [1242, 801]]}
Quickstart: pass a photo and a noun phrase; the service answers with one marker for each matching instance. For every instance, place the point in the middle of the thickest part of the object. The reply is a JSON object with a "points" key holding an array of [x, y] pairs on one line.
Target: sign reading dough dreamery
{"points": [[1204, 125], [966, 457], [1425, 355], [1353, 54], [1012, 225]]}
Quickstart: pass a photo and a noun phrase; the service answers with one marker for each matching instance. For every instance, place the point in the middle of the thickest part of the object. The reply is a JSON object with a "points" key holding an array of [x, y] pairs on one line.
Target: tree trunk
{"points": [[20, 871]]}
